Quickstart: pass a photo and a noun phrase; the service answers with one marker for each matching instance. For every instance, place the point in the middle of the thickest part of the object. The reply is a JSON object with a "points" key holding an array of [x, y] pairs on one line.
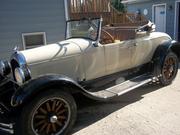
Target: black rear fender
{"points": [[175, 47], [161, 53]]}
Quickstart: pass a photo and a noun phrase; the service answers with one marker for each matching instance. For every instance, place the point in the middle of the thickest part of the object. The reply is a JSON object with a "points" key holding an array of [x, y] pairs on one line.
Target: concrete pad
{"points": [[149, 110]]}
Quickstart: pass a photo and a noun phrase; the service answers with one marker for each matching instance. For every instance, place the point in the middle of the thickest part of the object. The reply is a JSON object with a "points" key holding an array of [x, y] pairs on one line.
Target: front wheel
{"points": [[169, 69], [50, 113]]}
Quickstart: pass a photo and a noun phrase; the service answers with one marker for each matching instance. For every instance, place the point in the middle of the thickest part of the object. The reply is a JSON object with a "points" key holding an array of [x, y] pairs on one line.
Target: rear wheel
{"points": [[50, 113], [169, 69]]}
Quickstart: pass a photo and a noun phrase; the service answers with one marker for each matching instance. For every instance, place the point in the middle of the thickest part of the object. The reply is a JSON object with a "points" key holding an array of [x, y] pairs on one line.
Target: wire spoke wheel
{"points": [[51, 112], [51, 117], [169, 69]]}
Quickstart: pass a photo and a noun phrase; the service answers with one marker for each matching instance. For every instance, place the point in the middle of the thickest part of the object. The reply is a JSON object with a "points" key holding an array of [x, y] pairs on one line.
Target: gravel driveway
{"points": [[149, 110]]}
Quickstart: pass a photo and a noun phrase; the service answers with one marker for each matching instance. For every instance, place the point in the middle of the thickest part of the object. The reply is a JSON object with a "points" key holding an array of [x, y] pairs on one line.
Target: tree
{"points": [[118, 5]]}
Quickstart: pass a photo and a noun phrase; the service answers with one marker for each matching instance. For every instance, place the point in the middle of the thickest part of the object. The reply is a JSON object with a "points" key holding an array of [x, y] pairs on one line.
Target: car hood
{"points": [[51, 52]]}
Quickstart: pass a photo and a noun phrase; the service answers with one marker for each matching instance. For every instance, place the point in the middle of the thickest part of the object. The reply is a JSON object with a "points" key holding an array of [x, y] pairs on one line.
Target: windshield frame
{"points": [[89, 19]]}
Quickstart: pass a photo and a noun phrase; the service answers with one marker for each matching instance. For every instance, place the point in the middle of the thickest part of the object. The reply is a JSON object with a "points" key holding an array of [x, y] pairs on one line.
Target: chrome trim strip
{"points": [[10, 131], [6, 125], [8, 128]]}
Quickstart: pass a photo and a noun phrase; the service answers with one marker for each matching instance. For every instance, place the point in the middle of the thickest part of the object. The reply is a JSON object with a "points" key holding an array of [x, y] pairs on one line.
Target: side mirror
{"points": [[148, 27]]}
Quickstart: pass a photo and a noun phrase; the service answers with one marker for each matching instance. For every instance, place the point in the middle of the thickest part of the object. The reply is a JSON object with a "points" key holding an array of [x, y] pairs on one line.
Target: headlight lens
{"points": [[5, 68], [22, 74], [19, 75]]}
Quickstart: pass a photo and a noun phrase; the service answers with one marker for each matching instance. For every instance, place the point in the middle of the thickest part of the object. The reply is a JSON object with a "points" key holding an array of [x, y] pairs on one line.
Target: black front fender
{"points": [[29, 90]]}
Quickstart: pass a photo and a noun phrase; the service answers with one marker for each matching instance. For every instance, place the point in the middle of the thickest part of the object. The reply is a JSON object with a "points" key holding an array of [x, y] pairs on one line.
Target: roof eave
{"points": [[133, 1]]}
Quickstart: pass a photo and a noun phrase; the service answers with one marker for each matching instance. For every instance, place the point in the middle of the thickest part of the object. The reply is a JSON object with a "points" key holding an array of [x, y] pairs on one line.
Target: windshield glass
{"points": [[85, 28]]}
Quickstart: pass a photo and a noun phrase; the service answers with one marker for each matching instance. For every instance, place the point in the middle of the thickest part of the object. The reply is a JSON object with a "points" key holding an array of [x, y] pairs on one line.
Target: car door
{"points": [[94, 62], [142, 50], [118, 56]]}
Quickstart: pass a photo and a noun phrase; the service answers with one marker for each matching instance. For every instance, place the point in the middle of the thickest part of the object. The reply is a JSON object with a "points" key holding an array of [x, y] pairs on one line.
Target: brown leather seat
{"points": [[118, 33]]}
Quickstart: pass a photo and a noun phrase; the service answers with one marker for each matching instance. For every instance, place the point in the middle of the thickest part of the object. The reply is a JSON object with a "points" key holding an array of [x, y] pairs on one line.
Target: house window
{"points": [[31, 40]]}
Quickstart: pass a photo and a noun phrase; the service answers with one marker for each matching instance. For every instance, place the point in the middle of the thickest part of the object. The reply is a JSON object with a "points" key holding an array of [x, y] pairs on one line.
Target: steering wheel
{"points": [[106, 37]]}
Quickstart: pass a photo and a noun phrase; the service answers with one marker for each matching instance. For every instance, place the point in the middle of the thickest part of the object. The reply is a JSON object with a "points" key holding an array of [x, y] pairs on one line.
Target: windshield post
{"points": [[99, 32]]}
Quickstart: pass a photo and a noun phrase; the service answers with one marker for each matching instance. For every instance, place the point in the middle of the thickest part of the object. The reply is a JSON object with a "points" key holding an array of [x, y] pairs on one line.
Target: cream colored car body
{"points": [[80, 60]]}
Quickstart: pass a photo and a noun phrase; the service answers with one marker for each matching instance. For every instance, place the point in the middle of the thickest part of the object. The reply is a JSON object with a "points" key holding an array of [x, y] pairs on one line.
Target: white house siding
{"points": [[28, 16], [170, 14]]}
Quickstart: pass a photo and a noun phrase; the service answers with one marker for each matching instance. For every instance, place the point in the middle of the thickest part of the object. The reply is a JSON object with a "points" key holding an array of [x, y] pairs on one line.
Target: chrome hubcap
{"points": [[54, 119]]}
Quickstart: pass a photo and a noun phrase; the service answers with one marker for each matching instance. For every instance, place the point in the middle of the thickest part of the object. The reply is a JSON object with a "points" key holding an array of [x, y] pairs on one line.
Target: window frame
{"points": [[33, 34]]}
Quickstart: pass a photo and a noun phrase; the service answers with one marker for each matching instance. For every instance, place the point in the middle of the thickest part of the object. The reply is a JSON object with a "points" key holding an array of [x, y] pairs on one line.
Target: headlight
{"points": [[22, 74], [5, 68]]}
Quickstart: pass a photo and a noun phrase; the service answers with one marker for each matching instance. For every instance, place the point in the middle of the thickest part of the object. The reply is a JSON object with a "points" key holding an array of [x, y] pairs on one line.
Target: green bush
{"points": [[118, 5]]}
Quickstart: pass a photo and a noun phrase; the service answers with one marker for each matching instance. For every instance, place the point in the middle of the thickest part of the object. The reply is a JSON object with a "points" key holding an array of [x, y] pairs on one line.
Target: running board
{"points": [[122, 88]]}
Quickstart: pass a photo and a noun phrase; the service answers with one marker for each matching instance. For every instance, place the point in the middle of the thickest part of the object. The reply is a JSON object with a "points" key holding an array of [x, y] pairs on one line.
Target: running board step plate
{"points": [[130, 85], [124, 87]]}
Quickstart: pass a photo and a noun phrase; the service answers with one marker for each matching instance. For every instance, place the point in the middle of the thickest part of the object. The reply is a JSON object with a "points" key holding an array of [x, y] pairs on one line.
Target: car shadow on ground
{"points": [[90, 111]]}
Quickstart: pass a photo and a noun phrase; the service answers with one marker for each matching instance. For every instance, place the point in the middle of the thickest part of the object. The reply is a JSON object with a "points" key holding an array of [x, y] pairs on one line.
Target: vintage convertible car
{"points": [[99, 61]]}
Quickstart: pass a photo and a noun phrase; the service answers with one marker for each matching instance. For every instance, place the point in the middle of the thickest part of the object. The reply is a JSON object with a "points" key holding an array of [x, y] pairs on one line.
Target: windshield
{"points": [[85, 28]]}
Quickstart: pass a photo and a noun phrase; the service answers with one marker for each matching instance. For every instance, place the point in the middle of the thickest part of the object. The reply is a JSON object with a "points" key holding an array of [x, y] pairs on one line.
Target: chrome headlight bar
{"points": [[20, 69]]}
